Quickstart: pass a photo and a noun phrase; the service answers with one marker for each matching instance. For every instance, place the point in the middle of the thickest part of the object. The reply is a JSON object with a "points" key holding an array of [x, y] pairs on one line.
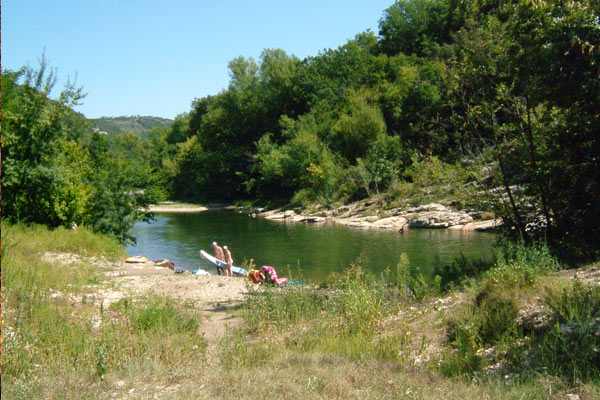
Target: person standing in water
{"points": [[229, 261], [219, 255]]}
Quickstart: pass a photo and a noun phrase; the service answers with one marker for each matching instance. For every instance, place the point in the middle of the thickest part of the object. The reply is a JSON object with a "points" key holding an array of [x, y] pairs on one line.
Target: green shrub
{"points": [[496, 312], [518, 265], [490, 320], [413, 283], [459, 270], [579, 303], [463, 358], [571, 347], [437, 179]]}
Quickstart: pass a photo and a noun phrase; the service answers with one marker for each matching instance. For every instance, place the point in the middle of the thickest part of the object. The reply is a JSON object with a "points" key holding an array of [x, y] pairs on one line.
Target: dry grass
{"points": [[351, 341]]}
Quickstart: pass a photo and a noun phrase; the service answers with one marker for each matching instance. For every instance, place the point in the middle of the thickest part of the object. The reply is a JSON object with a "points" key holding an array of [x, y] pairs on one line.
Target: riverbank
{"points": [[97, 327], [371, 215], [363, 214], [218, 299], [174, 207], [213, 295]]}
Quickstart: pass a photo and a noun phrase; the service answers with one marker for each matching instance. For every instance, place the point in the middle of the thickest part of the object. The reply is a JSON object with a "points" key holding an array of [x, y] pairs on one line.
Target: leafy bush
{"points": [[50, 176], [438, 179], [520, 265]]}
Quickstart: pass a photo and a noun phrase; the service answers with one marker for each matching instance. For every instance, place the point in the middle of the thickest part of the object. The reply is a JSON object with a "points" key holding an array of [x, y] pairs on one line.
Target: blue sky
{"points": [[153, 57]]}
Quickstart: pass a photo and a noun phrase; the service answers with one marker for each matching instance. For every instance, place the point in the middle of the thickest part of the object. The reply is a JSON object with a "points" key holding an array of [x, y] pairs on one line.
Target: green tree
{"points": [[358, 127], [119, 187], [527, 83], [179, 131], [37, 187], [415, 26], [50, 177]]}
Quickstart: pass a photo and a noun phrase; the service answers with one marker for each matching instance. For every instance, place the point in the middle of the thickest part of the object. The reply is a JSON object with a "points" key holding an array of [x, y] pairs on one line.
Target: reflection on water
{"points": [[311, 250]]}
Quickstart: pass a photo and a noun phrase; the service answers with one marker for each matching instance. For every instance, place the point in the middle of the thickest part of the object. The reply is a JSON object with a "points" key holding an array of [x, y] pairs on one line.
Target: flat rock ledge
{"points": [[430, 216]]}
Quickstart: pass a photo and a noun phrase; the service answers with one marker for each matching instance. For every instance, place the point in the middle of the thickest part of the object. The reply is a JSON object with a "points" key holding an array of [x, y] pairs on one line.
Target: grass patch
{"points": [[565, 345], [37, 239], [361, 336], [53, 337], [571, 346]]}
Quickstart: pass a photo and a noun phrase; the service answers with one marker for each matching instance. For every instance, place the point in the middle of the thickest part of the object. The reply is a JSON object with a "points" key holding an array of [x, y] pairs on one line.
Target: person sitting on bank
{"points": [[219, 255], [256, 276], [266, 274], [229, 261]]}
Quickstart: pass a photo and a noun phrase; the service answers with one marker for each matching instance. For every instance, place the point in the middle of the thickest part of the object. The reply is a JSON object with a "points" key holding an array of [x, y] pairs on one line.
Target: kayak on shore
{"points": [[239, 271]]}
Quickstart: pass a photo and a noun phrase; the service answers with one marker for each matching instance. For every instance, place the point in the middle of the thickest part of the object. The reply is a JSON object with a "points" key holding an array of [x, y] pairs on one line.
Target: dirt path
{"points": [[216, 297]]}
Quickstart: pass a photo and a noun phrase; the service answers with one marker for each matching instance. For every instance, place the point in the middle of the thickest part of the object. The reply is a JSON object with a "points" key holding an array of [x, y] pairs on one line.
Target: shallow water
{"points": [[299, 250]]}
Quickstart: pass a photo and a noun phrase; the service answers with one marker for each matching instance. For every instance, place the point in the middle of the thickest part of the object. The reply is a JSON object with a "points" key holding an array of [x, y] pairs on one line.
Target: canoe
{"points": [[223, 264]]}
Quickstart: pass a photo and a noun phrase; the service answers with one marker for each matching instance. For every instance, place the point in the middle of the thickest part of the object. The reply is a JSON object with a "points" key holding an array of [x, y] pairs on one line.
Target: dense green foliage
{"points": [[494, 104], [56, 172], [510, 88]]}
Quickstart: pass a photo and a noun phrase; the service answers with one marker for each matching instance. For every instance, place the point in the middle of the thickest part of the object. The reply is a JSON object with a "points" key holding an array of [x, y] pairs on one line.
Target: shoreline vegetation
{"points": [[97, 327]]}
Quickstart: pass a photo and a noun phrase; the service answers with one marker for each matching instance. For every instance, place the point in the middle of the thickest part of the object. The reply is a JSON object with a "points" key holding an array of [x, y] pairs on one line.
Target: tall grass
{"points": [[35, 239], [360, 320], [571, 345], [520, 265], [58, 342], [359, 337], [341, 320], [412, 283], [566, 347]]}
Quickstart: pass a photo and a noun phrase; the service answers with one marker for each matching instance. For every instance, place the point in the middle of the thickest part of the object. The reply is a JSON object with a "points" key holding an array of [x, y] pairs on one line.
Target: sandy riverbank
{"points": [[217, 297], [172, 207]]}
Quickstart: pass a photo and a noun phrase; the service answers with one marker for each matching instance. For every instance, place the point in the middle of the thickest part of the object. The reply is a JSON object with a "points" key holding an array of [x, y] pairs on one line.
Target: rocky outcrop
{"points": [[290, 216], [430, 216], [436, 216]]}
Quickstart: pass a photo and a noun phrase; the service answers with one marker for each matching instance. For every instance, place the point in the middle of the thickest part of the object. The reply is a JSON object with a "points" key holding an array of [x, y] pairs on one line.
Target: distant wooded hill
{"points": [[136, 124]]}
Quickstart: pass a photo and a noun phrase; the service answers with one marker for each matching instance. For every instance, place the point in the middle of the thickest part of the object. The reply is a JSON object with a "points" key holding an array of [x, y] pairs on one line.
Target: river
{"points": [[302, 251]]}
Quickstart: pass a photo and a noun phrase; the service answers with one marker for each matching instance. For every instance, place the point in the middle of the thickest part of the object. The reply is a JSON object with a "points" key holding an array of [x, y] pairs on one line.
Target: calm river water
{"points": [[303, 251]]}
